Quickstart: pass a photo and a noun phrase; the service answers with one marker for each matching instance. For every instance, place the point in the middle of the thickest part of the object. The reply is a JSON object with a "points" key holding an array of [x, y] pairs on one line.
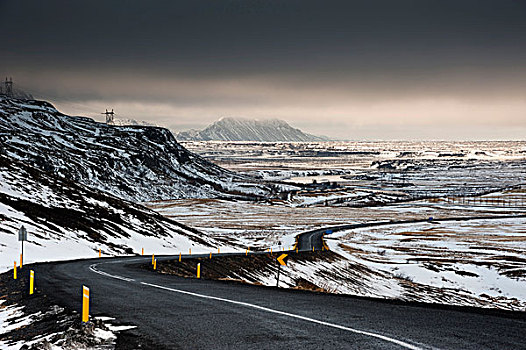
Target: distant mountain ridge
{"points": [[239, 129]]}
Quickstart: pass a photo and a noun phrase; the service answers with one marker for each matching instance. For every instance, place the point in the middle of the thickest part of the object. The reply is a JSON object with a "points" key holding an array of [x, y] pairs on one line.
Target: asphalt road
{"points": [[313, 238], [184, 313], [187, 313]]}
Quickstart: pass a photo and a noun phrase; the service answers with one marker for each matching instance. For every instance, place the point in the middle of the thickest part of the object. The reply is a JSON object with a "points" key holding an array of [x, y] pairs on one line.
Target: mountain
{"points": [[67, 220], [236, 129], [138, 163], [133, 122]]}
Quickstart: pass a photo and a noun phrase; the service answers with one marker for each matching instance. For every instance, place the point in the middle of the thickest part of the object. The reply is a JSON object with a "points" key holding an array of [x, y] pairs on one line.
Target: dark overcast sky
{"points": [[348, 69]]}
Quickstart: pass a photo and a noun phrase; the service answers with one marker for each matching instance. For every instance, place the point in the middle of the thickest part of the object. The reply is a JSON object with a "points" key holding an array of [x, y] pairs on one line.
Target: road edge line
{"points": [[304, 318]]}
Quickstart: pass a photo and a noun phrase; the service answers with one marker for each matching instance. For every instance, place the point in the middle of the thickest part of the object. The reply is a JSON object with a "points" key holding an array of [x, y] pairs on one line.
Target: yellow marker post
{"points": [[31, 281], [21, 260], [312, 248], [14, 272], [85, 304], [155, 264], [142, 251], [190, 251], [246, 253], [296, 250], [153, 258], [271, 251], [210, 255], [199, 270], [179, 257], [100, 254], [218, 251]]}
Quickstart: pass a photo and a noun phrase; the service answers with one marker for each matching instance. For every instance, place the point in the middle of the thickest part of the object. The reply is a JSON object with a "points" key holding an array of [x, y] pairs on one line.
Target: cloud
{"points": [[329, 66]]}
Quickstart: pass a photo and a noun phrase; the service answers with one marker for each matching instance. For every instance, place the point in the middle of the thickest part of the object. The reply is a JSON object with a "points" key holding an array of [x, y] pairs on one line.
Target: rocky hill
{"points": [[67, 220], [139, 163], [236, 129]]}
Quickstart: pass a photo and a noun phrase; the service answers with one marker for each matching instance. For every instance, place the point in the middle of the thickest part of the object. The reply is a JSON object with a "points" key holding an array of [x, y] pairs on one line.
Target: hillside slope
{"points": [[66, 220], [236, 129], [139, 163]]}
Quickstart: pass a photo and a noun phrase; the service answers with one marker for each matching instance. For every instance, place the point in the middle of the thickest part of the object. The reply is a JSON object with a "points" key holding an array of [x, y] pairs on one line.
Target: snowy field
{"points": [[476, 262], [481, 260], [265, 225]]}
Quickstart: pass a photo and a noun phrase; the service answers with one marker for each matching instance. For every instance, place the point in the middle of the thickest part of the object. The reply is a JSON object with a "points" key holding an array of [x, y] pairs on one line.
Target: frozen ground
{"points": [[481, 260], [61, 331], [66, 221], [370, 173], [265, 225], [478, 263]]}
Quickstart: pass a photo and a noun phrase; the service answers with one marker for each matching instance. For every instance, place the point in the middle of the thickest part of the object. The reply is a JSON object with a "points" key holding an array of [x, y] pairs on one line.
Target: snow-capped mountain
{"points": [[133, 122], [67, 220], [237, 129], [139, 163]]}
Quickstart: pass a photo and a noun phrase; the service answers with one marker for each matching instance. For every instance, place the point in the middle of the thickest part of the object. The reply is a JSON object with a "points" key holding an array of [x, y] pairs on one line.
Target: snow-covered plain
{"points": [[403, 181], [482, 260], [370, 172]]}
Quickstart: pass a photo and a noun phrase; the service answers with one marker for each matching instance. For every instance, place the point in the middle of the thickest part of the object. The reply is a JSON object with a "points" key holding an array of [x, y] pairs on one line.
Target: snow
{"points": [[446, 256], [67, 221], [12, 317], [238, 129], [137, 163]]}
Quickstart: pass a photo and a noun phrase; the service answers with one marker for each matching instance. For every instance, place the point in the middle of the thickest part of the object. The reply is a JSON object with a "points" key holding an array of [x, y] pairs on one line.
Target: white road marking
{"points": [[94, 269], [304, 318], [308, 319]]}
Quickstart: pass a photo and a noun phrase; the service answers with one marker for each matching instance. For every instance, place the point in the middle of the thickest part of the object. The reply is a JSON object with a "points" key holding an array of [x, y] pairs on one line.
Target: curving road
{"points": [[314, 238], [185, 313]]}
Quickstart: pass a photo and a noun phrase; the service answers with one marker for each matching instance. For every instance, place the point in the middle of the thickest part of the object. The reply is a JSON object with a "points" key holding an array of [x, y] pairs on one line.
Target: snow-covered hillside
{"points": [[133, 162], [66, 220], [236, 129]]}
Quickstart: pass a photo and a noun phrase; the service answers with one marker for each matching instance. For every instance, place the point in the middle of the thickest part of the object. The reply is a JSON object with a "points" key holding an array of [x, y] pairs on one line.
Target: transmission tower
{"points": [[9, 87], [109, 117]]}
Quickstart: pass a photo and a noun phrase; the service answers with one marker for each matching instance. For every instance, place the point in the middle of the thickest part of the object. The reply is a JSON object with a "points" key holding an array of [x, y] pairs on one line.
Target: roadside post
{"points": [[210, 255], [153, 258], [100, 253], [85, 304], [199, 270], [142, 251], [282, 260], [155, 264], [14, 272], [22, 236], [31, 281], [179, 257]]}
